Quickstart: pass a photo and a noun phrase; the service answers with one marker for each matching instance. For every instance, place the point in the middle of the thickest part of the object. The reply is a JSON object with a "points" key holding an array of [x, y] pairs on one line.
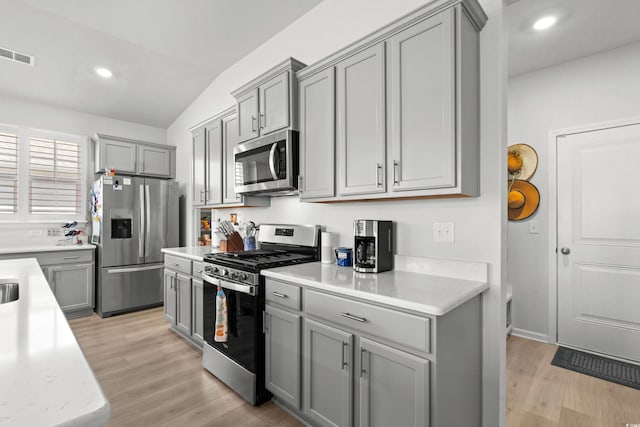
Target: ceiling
{"points": [[163, 53], [584, 28]]}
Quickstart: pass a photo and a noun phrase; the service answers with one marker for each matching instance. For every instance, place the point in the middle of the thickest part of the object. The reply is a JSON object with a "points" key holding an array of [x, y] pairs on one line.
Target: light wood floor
{"points": [[152, 377], [540, 394]]}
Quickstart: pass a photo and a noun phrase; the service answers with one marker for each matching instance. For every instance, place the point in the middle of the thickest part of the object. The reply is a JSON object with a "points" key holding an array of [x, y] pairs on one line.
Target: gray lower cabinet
{"points": [[183, 292], [197, 320], [73, 286], [282, 355], [394, 386], [371, 365], [183, 304], [71, 277], [170, 297], [328, 373]]}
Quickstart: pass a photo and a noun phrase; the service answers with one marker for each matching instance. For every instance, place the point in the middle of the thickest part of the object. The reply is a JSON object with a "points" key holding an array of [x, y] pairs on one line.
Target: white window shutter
{"points": [[8, 174], [55, 177]]}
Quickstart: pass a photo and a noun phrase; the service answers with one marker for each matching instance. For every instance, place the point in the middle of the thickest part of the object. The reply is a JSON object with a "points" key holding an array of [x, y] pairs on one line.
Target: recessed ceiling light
{"points": [[544, 23], [104, 72]]}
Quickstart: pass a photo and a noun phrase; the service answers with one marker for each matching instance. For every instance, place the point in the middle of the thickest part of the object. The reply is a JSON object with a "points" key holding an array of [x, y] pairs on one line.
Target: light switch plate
{"points": [[443, 232], [534, 227]]}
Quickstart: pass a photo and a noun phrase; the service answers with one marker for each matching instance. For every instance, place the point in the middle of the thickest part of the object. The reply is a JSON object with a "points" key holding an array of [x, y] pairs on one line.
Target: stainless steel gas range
{"points": [[239, 362]]}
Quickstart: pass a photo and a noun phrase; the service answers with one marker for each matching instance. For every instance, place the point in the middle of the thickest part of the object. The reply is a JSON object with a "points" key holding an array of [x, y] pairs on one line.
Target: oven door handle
{"points": [[272, 161], [238, 287]]}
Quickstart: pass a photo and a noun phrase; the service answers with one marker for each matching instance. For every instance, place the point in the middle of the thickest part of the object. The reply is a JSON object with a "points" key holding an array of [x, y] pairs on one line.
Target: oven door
{"points": [[267, 164], [244, 317]]}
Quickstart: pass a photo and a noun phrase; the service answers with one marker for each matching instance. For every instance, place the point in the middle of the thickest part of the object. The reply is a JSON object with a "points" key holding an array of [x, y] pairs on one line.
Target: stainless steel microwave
{"points": [[268, 165]]}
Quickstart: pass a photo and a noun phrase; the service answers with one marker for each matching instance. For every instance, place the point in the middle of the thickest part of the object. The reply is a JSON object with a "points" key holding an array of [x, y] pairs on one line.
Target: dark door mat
{"points": [[597, 366]]}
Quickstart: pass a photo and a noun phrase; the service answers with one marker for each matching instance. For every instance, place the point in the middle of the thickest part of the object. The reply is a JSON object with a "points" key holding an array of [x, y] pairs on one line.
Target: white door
{"points": [[599, 241]]}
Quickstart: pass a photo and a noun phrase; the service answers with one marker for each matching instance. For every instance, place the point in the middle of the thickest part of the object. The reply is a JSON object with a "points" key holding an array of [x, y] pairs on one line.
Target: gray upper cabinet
{"points": [[198, 138], [247, 124], [407, 109], [229, 141], [118, 155], [274, 104], [214, 164], [394, 387], [269, 102], [361, 122], [328, 370], [282, 355], [421, 64], [154, 161], [131, 157], [317, 135]]}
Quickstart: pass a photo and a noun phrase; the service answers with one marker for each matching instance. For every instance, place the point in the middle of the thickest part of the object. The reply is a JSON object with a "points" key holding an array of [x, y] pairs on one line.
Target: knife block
{"points": [[233, 243]]}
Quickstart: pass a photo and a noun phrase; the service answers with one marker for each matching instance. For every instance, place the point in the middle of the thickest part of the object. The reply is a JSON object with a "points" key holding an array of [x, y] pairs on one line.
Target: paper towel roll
{"points": [[327, 254]]}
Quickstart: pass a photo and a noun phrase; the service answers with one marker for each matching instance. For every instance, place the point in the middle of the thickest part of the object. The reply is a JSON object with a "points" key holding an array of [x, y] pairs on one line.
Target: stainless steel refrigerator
{"points": [[133, 218]]}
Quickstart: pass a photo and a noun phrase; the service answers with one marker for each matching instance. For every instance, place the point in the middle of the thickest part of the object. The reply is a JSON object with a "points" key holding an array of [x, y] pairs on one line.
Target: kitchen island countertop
{"points": [[195, 253], [46, 379], [420, 293], [44, 248]]}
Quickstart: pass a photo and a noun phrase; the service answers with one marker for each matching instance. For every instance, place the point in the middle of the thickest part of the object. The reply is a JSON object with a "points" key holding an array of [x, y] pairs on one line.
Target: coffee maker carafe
{"points": [[372, 246]]}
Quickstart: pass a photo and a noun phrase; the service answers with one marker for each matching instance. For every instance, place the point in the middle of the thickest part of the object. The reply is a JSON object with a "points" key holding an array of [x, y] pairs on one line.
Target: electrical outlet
{"points": [[54, 232], [35, 233], [443, 232]]}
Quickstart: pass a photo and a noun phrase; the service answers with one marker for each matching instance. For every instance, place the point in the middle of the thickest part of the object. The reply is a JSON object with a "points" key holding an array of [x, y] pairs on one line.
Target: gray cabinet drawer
{"points": [[178, 264], [197, 269], [402, 328], [283, 293], [55, 258]]}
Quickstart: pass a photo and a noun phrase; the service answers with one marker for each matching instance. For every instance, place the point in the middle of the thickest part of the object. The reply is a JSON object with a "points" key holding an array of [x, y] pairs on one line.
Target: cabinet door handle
{"points": [[71, 257], [263, 121], [344, 359], [279, 295], [362, 370], [352, 317], [253, 123], [202, 196], [300, 180], [264, 322], [396, 179], [378, 170]]}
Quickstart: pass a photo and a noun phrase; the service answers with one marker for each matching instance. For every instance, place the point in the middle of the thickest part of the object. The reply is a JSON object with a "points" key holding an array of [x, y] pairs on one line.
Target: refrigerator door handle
{"points": [[141, 250], [134, 269], [147, 209]]}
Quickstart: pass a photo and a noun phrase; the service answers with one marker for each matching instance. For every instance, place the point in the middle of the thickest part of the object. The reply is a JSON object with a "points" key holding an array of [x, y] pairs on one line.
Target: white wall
{"points": [[479, 222], [598, 88], [24, 113]]}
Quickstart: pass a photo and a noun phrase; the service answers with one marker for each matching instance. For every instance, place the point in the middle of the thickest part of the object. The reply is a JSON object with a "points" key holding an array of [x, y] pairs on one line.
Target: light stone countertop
{"points": [[194, 253], [44, 248], [45, 378], [417, 292]]}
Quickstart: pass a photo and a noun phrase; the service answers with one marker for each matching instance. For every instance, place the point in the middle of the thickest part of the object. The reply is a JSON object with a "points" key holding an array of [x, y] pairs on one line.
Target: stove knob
{"points": [[234, 275], [215, 270], [243, 276], [224, 272]]}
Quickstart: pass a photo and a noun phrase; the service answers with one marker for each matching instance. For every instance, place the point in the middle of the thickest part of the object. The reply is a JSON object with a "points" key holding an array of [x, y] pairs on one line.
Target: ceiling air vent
{"points": [[12, 55]]}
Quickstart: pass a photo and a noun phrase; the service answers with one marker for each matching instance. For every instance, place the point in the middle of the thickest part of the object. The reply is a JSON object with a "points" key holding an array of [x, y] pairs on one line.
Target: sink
{"points": [[8, 290]]}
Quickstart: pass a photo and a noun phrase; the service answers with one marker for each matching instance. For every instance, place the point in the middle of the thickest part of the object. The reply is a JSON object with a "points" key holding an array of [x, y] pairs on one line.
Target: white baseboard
{"points": [[536, 336]]}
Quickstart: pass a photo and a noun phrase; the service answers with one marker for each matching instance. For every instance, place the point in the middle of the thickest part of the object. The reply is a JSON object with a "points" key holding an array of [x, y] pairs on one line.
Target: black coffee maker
{"points": [[372, 246]]}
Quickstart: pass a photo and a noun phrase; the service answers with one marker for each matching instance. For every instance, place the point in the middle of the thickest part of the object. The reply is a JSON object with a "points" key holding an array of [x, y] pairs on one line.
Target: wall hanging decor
{"points": [[523, 200], [522, 161]]}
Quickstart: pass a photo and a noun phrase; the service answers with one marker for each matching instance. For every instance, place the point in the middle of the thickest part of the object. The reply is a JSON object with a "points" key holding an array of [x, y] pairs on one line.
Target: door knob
{"points": [[565, 251]]}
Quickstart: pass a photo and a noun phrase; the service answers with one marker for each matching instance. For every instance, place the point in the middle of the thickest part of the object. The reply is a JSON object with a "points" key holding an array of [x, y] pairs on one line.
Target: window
{"points": [[8, 174], [55, 177], [42, 176]]}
